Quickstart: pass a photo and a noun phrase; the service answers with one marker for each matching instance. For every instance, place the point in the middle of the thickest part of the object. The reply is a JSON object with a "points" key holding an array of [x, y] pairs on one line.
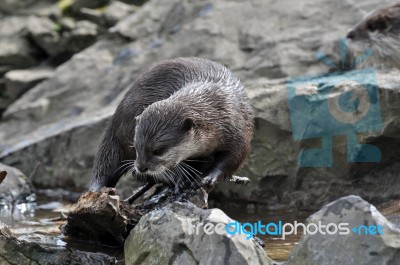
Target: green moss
{"points": [[101, 9], [57, 27]]}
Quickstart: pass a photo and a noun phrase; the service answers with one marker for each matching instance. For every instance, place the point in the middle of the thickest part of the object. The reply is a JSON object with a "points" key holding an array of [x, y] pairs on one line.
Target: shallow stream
{"points": [[40, 221]]}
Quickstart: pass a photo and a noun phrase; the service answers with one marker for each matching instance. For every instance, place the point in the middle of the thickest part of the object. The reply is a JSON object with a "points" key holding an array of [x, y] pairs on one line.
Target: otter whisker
{"points": [[168, 175], [132, 169], [201, 161], [181, 172], [172, 175], [195, 174], [124, 166], [128, 160], [188, 173], [189, 166]]}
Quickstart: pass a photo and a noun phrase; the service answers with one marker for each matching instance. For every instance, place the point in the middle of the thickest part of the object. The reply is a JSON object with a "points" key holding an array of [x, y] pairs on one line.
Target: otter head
{"points": [[164, 136], [378, 31]]}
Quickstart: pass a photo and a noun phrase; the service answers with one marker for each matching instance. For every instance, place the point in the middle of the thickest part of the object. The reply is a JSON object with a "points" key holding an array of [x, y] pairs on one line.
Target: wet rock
{"points": [[168, 236], [358, 247], [102, 217], [15, 251], [15, 187], [19, 81]]}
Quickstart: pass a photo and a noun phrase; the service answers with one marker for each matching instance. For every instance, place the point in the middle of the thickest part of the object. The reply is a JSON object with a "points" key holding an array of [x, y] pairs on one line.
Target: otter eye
{"points": [[159, 151]]}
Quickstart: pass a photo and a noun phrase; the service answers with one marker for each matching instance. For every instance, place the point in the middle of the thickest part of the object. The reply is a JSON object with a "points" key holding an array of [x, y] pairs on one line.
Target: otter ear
{"points": [[380, 23], [188, 124]]}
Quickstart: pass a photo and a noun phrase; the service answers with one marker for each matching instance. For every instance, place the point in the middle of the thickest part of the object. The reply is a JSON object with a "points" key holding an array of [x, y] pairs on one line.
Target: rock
{"points": [[277, 178], [61, 39], [78, 4], [19, 81], [108, 16], [29, 7], [168, 236], [59, 150], [15, 251], [82, 36], [15, 188], [15, 50], [44, 33], [358, 247], [104, 218], [116, 11]]}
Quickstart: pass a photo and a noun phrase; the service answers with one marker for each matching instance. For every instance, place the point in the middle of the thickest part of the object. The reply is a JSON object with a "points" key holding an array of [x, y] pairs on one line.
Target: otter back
{"points": [[178, 111]]}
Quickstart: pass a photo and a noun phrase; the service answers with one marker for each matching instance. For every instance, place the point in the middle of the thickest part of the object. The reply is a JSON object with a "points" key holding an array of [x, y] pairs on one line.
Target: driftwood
{"points": [[3, 175], [104, 218]]}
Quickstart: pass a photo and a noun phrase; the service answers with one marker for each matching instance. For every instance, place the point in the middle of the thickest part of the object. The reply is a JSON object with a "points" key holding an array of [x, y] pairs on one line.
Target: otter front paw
{"points": [[212, 179]]}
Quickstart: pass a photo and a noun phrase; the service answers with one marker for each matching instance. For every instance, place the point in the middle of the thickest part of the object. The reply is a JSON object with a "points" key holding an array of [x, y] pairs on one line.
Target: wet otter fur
{"points": [[180, 111]]}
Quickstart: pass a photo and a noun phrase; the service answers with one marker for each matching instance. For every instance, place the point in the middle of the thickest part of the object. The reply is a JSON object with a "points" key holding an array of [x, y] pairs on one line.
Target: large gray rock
{"points": [[168, 236], [63, 149], [360, 247]]}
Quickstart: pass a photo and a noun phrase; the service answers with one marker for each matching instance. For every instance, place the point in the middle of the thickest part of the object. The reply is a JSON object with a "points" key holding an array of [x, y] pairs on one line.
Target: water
{"points": [[39, 222], [276, 248]]}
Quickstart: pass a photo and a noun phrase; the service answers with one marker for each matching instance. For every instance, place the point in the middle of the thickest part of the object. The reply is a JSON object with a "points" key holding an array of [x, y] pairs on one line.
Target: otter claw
{"points": [[212, 179]]}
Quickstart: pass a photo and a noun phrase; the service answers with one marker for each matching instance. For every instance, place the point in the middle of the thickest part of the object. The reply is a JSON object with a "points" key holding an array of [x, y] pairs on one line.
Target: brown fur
{"points": [[185, 108]]}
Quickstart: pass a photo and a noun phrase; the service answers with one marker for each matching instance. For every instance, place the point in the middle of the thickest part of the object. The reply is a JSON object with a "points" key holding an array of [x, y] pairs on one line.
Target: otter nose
{"points": [[142, 168], [351, 34]]}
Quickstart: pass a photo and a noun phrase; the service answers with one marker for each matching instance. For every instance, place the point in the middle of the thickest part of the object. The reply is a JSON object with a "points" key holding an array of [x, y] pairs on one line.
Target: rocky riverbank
{"points": [[65, 65]]}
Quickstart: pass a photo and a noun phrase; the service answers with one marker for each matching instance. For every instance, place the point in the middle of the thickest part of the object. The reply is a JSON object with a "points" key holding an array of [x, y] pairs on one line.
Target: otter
{"points": [[181, 110], [380, 32]]}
